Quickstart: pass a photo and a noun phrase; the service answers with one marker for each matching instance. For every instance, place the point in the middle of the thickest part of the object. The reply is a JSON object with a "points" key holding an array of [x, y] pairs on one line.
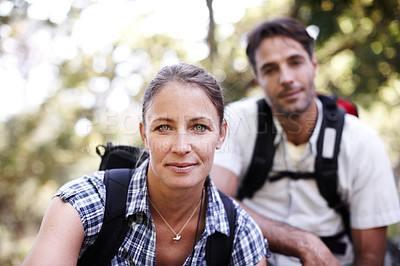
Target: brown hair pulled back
{"points": [[185, 74]]}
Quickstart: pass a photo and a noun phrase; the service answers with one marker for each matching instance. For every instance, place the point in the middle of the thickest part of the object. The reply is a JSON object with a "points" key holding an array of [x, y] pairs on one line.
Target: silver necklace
{"points": [[177, 235]]}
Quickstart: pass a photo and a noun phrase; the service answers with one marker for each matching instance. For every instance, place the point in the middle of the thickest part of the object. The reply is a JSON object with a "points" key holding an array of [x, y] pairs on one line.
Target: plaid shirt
{"points": [[87, 195]]}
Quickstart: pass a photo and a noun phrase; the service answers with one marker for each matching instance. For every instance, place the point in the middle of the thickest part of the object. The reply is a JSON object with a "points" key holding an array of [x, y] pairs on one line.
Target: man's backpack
{"points": [[326, 162], [119, 163]]}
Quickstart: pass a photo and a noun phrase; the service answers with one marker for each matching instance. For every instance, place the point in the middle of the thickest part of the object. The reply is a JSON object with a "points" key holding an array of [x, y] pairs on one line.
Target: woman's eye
{"points": [[163, 128], [200, 127]]}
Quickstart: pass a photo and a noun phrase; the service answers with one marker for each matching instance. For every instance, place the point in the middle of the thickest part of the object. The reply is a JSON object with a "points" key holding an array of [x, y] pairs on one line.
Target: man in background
{"points": [[290, 209]]}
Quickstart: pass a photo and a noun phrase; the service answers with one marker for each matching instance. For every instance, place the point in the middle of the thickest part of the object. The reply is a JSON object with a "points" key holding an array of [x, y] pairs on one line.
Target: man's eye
{"points": [[268, 71]]}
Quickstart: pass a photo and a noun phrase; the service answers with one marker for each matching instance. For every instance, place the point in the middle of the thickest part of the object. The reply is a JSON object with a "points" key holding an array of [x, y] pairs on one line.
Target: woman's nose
{"points": [[181, 144]]}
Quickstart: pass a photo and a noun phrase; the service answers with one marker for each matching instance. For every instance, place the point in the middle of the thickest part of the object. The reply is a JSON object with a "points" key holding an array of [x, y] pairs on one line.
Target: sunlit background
{"points": [[73, 72], [28, 82]]}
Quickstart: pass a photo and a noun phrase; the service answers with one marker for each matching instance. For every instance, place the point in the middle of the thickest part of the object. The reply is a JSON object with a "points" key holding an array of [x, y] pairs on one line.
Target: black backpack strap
{"points": [[326, 163], [115, 225], [263, 155], [293, 175], [219, 246]]}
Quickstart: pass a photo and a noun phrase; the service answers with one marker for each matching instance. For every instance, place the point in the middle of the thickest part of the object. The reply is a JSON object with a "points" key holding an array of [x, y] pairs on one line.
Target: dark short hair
{"points": [[278, 27], [185, 74]]}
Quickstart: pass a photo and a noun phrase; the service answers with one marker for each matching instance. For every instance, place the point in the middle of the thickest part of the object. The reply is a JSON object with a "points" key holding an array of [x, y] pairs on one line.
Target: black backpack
{"points": [[119, 163], [325, 167]]}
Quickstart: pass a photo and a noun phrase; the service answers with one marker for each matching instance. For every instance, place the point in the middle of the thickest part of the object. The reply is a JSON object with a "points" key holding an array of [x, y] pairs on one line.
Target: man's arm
{"points": [[281, 237], [370, 246]]}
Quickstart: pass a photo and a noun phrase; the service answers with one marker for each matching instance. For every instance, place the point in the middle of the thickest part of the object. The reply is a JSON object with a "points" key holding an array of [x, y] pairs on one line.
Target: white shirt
{"points": [[365, 175]]}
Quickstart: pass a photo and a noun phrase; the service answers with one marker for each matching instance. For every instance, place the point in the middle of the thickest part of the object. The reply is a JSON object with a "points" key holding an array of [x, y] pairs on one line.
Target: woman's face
{"points": [[181, 132]]}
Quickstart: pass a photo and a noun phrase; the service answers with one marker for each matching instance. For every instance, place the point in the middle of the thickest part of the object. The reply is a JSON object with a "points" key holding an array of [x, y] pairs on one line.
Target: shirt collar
{"points": [[314, 137], [216, 218], [312, 143], [137, 193]]}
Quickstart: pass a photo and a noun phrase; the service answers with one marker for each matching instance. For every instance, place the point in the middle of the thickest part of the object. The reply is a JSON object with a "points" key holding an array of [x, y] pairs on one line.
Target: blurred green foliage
{"points": [[41, 148]]}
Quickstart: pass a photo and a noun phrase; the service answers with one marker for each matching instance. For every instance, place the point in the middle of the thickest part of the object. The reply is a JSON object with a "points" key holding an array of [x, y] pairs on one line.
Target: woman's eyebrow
{"points": [[195, 119], [162, 119], [191, 120]]}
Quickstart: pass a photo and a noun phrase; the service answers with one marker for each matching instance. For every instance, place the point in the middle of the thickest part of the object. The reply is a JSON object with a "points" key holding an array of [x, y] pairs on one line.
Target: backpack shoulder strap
{"points": [[263, 154], [219, 246], [326, 161], [115, 225]]}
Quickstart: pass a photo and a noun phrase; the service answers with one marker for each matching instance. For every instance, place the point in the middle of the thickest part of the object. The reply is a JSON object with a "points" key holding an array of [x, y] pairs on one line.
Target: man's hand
{"points": [[314, 252], [290, 241]]}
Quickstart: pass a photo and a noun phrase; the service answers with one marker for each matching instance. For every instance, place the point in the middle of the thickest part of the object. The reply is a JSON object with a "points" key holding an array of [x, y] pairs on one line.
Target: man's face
{"points": [[286, 73]]}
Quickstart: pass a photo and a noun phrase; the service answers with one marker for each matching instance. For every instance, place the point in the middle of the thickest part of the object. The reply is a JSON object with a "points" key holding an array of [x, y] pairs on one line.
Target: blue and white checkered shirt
{"points": [[87, 195]]}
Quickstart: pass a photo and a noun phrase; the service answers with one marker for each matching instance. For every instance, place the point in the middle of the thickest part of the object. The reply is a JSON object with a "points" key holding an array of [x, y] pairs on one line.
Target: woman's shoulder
{"points": [[243, 221], [250, 246], [84, 186], [87, 195]]}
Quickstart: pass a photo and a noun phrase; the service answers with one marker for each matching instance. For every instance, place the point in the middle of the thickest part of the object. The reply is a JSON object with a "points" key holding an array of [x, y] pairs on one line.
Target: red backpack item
{"points": [[348, 106]]}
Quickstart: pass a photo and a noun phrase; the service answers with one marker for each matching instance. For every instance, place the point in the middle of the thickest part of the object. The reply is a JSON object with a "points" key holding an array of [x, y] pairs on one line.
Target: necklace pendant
{"points": [[177, 238]]}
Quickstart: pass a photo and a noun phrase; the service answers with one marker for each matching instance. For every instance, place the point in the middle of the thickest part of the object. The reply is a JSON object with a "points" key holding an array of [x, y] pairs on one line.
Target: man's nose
{"points": [[286, 76]]}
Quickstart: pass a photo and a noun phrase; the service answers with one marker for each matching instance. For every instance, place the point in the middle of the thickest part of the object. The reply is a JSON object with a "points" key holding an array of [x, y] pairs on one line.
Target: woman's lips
{"points": [[181, 167]]}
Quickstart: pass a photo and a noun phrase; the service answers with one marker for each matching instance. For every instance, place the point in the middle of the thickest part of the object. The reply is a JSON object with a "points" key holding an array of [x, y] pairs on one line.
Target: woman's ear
{"points": [[222, 134], [143, 135]]}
